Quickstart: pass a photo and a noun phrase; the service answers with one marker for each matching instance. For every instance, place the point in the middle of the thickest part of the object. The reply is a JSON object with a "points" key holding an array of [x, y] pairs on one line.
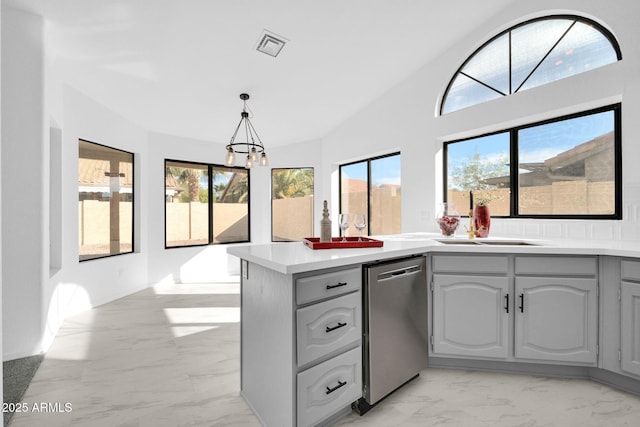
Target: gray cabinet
{"points": [[556, 319], [630, 317], [301, 344], [328, 342], [557, 309], [470, 306], [328, 327], [471, 315], [520, 308], [329, 387]]}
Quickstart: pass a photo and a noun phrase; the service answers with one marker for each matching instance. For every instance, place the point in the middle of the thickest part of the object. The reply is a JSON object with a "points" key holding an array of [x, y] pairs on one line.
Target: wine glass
{"points": [[359, 222], [343, 222]]}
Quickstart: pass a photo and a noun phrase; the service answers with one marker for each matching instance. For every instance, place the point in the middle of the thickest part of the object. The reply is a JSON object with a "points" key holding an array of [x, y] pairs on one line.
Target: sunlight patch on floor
{"points": [[202, 315], [183, 331]]}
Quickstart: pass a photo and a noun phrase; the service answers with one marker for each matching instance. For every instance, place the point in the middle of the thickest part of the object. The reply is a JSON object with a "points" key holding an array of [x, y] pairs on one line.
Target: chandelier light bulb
{"points": [[263, 160], [231, 157]]}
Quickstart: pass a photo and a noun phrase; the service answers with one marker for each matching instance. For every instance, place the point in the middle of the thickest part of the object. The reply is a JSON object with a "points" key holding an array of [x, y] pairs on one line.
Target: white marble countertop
{"points": [[295, 257]]}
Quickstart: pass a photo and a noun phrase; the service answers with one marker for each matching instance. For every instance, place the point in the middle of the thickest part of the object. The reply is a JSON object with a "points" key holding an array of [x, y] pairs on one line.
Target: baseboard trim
{"points": [[617, 381], [611, 379]]}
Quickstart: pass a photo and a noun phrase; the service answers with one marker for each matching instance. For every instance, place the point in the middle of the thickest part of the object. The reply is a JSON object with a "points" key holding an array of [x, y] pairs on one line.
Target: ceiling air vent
{"points": [[271, 43]]}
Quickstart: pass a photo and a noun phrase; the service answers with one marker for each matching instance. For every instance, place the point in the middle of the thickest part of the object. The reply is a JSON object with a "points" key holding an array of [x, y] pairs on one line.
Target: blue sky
{"points": [[385, 170]]}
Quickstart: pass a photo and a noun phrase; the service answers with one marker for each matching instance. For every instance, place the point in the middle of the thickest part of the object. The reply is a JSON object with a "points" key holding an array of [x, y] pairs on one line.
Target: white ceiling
{"points": [[178, 66]]}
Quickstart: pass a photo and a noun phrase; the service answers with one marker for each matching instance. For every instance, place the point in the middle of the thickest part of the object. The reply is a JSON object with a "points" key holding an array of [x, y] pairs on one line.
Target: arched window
{"points": [[527, 55]]}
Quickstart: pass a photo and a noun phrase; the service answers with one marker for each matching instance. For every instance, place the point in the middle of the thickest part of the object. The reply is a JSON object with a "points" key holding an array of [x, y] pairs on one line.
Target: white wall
{"points": [[1, 372], [42, 279], [77, 286], [23, 172], [406, 117]]}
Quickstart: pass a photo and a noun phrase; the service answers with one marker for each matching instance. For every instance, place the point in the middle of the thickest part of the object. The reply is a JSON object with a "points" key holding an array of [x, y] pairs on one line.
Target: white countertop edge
{"points": [[294, 257]]}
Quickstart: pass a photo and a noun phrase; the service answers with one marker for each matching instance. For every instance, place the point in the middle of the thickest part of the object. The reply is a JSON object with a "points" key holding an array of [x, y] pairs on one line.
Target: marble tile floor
{"points": [[169, 356]]}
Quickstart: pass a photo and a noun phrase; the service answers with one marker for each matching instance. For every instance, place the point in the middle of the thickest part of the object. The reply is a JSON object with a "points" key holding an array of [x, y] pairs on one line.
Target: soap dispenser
{"points": [[325, 225]]}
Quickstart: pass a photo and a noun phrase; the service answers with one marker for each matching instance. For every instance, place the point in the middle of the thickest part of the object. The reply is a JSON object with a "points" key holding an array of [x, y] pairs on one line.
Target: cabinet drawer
{"points": [[328, 387], [328, 326], [557, 266], [631, 270], [470, 264], [313, 288]]}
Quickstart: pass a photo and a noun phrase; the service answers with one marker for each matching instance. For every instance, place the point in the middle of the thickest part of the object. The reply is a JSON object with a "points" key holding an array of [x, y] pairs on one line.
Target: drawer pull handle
{"points": [[521, 307], [340, 384], [340, 325], [337, 285]]}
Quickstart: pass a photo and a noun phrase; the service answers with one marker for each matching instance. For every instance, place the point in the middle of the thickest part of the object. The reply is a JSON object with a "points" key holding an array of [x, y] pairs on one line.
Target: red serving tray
{"points": [[337, 243]]}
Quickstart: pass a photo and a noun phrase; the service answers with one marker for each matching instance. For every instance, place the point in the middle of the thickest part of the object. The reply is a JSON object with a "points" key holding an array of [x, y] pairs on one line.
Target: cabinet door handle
{"points": [[337, 285], [506, 303], [340, 325], [521, 307], [340, 384]]}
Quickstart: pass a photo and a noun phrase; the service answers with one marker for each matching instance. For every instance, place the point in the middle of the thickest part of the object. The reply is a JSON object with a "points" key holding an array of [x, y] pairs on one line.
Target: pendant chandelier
{"points": [[251, 146]]}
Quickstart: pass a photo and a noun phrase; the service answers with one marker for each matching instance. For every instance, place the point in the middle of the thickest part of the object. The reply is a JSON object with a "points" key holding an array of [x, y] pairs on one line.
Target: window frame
{"points": [[368, 162], [604, 31], [514, 165], [271, 196], [133, 199], [210, 220]]}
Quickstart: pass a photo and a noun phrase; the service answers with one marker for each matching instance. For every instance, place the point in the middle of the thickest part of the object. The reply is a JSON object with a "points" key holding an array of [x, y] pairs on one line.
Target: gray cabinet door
{"points": [[556, 319], [630, 322], [470, 316]]}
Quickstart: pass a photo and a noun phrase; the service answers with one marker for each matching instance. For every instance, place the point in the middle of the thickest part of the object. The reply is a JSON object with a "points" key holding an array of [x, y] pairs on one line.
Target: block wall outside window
{"points": [[105, 201]]}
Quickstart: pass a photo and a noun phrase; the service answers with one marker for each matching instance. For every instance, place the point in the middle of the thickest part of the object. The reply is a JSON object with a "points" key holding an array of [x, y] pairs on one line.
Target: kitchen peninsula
{"points": [[292, 374]]}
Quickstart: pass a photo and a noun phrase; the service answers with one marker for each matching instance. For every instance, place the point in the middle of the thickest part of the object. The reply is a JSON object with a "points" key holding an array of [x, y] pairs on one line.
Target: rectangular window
{"points": [[354, 192], [569, 167], [291, 204], [205, 204], [187, 204], [372, 187], [105, 201], [230, 205]]}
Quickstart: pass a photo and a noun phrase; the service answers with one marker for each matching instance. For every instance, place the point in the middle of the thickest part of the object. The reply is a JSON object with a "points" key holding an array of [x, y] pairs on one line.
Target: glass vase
{"points": [[482, 220], [448, 219]]}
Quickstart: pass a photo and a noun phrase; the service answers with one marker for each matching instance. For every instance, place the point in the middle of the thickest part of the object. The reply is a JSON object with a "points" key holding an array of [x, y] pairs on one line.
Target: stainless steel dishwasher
{"points": [[395, 339]]}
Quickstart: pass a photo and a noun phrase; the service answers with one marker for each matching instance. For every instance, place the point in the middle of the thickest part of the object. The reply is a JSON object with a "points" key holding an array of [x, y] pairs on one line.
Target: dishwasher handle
{"points": [[394, 274]]}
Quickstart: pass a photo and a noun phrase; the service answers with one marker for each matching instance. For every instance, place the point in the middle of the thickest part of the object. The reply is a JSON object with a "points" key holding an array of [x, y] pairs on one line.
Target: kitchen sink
{"points": [[486, 242], [456, 242], [507, 243]]}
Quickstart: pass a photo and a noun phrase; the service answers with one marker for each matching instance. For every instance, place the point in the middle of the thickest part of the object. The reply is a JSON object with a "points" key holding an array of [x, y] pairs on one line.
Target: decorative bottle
{"points": [[325, 225]]}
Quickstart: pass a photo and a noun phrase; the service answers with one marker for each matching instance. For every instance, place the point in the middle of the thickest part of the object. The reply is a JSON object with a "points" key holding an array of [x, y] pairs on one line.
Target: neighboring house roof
{"points": [[566, 166], [171, 185], [95, 175], [170, 182]]}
